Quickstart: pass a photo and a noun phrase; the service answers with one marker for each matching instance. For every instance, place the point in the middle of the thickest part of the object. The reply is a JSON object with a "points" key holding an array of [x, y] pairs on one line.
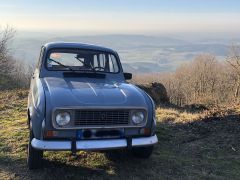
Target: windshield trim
{"points": [[49, 51]]}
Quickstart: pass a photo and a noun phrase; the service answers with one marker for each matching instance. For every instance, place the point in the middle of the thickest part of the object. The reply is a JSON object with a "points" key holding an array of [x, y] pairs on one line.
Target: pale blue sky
{"points": [[125, 16]]}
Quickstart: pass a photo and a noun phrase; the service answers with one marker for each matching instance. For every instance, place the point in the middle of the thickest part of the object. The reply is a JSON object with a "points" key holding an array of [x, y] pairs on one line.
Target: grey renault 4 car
{"points": [[79, 100]]}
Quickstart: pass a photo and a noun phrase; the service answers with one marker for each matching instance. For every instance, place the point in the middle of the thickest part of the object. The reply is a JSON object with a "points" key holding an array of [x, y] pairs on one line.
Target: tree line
{"points": [[204, 80]]}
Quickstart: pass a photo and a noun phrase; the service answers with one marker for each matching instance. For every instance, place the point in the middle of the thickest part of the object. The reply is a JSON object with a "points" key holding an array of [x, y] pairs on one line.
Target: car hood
{"points": [[92, 92]]}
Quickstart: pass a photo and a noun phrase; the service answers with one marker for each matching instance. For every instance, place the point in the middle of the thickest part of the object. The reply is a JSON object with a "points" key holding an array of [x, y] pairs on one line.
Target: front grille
{"points": [[101, 117]]}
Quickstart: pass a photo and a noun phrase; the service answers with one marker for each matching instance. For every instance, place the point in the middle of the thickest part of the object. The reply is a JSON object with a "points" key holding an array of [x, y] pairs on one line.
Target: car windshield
{"points": [[82, 60]]}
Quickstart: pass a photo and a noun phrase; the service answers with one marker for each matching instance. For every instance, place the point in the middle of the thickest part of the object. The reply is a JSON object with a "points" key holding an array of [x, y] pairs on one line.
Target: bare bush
{"points": [[205, 80], [234, 61], [22, 73], [196, 82], [13, 73], [6, 63]]}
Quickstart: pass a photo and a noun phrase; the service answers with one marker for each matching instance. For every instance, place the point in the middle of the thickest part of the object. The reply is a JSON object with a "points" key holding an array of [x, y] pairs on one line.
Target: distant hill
{"points": [[139, 53]]}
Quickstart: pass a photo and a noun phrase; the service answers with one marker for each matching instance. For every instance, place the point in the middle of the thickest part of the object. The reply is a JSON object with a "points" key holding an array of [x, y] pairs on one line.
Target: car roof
{"points": [[75, 45]]}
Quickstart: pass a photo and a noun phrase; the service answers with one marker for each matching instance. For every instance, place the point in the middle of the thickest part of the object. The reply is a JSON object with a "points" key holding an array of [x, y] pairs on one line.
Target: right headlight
{"points": [[63, 118], [137, 117]]}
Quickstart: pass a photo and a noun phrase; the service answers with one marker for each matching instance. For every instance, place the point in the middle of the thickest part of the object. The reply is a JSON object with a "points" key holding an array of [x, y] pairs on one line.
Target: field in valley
{"points": [[192, 145]]}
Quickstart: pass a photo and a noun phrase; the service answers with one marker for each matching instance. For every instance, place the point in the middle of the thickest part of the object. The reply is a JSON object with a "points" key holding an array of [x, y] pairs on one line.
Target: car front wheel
{"points": [[142, 152], [34, 157]]}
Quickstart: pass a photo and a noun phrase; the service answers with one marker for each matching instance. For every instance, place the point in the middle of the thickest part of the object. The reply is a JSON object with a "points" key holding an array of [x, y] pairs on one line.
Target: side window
{"points": [[113, 66], [106, 61], [40, 57], [95, 61], [102, 60]]}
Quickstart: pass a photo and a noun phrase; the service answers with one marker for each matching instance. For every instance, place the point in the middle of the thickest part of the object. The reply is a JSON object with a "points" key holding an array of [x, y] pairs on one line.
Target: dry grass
{"points": [[192, 145], [177, 116]]}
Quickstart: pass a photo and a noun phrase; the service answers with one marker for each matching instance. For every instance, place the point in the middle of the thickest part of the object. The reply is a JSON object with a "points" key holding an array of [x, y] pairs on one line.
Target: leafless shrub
{"points": [[233, 60], [13, 73], [22, 73], [205, 80], [6, 63]]}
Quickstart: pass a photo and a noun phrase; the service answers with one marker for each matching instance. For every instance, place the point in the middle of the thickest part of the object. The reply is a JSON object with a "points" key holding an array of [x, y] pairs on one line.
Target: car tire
{"points": [[34, 156], [142, 152]]}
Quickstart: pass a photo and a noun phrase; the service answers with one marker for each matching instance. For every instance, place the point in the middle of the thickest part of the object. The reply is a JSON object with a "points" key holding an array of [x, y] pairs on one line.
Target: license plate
{"points": [[79, 134], [99, 133]]}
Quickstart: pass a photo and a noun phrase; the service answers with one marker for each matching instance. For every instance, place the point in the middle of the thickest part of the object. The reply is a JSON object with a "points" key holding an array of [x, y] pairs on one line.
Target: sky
{"points": [[125, 16]]}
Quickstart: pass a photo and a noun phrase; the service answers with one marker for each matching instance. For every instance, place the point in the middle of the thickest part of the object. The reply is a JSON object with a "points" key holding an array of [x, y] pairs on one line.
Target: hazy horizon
{"points": [[189, 36], [123, 17]]}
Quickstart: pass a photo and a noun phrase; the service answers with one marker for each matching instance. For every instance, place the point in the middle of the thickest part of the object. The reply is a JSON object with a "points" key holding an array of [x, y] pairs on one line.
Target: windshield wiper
{"points": [[62, 65], [85, 64]]}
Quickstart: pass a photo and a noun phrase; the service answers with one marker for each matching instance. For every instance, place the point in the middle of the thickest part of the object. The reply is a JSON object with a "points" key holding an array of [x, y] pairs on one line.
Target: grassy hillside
{"points": [[191, 145]]}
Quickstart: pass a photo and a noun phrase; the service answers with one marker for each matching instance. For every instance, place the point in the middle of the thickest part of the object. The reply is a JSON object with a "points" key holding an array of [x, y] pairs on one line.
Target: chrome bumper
{"points": [[92, 144]]}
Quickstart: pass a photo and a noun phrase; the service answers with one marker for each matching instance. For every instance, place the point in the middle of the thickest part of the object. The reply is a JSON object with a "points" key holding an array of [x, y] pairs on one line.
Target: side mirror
{"points": [[127, 76]]}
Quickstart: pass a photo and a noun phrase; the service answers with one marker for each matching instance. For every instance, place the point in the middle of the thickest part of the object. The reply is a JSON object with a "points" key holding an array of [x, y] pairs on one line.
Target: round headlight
{"points": [[63, 118], [137, 117]]}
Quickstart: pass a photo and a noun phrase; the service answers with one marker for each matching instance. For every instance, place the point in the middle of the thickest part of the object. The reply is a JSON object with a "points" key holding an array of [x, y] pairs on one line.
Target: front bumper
{"points": [[92, 144]]}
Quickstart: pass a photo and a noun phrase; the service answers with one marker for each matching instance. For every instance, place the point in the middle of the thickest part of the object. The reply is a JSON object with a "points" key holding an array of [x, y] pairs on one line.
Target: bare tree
{"points": [[14, 73], [205, 80], [233, 60], [6, 63], [22, 73]]}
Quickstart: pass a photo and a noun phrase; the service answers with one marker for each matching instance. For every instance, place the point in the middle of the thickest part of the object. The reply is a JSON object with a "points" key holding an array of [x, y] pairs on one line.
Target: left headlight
{"points": [[63, 118], [138, 117]]}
